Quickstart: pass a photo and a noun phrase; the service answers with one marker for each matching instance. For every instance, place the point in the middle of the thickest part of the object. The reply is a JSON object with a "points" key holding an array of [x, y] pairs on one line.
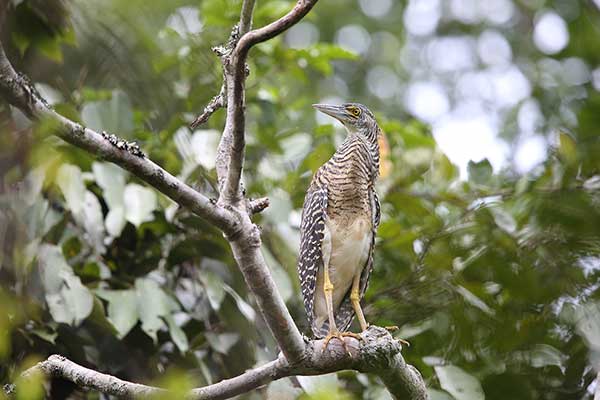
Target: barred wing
{"points": [[312, 232]]}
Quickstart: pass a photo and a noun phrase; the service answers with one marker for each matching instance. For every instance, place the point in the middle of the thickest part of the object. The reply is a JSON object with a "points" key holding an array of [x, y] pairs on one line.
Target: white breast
{"points": [[350, 246]]}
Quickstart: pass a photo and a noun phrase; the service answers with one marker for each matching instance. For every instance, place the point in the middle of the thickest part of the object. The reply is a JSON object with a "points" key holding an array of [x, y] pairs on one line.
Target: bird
{"points": [[340, 216]]}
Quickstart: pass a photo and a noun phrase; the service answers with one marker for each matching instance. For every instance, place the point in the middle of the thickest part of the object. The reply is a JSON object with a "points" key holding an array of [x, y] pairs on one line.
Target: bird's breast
{"points": [[350, 246]]}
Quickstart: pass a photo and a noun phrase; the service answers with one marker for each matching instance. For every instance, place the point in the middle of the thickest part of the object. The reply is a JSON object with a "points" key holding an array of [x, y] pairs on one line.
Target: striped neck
{"points": [[362, 150]]}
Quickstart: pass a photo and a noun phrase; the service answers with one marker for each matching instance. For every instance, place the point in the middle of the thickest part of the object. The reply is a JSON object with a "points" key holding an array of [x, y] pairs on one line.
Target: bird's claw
{"points": [[394, 328], [340, 336]]}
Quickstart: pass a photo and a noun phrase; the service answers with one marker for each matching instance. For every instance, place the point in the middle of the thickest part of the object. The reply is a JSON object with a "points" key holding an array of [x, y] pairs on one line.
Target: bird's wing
{"points": [[312, 232], [345, 313]]}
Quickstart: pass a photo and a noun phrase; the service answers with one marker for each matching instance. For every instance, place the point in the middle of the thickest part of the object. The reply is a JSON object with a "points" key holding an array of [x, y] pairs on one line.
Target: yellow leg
{"points": [[355, 299], [328, 289], [333, 330]]}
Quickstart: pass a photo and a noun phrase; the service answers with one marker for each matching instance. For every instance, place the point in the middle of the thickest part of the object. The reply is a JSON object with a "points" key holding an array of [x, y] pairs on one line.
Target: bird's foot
{"points": [[340, 336], [394, 328]]}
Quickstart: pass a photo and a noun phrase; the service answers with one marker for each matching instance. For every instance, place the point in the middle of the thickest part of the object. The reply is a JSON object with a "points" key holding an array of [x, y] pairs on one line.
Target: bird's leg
{"points": [[355, 299], [328, 288], [333, 330]]}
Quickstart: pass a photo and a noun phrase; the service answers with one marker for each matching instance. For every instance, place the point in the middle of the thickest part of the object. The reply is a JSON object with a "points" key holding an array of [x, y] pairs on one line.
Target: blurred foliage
{"points": [[494, 278]]}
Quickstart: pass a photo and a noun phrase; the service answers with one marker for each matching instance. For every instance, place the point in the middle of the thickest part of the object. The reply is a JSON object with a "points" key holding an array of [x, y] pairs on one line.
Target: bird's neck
{"points": [[359, 156]]}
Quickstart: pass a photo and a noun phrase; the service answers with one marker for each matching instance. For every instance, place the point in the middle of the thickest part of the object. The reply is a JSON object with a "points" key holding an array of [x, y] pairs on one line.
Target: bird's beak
{"points": [[337, 112]]}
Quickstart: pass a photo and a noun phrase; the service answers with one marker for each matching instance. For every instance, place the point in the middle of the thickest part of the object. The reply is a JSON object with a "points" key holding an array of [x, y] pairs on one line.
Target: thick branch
{"points": [[378, 353], [247, 253]]}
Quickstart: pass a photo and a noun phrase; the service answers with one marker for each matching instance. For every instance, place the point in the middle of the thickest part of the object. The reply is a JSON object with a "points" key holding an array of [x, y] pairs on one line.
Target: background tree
{"points": [[490, 268]]}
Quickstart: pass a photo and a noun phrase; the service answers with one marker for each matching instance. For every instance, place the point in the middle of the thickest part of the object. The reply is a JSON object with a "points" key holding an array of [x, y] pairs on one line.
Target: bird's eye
{"points": [[355, 111]]}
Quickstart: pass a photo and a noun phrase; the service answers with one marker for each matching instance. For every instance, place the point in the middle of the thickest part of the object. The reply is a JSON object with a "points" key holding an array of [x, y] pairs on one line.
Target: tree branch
{"points": [[213, 105], [218, 101], [246, 16], [377, 353], [233, 141]]}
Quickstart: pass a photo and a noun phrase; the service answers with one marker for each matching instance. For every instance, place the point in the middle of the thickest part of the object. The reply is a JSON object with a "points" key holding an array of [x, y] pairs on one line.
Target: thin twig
{"points": [[213, 105], [256, 206], [246, 16]]}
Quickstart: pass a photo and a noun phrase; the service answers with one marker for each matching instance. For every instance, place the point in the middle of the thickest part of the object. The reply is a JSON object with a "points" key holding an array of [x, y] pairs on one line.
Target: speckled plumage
{"points": [[340, 216]]}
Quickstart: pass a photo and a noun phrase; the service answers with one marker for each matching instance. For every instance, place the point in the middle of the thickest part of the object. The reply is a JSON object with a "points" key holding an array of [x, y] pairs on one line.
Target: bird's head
{"points": [[355, 117], [358, 119]]}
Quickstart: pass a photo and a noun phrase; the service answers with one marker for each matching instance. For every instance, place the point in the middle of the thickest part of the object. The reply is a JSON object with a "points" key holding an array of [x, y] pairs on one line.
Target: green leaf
{"points": [[153, 304], [587, 319], [112, 181], [177, 334], [245, 308], [93, 221], [45, 333], [283, 389], [480, 172], [543, 355], [567, 148], [122, 309], [458, 383], [68, 299], [315, 384], [140, 203], [474, 300], [438, 395], [114, 115], [213, 284], [70, 181], [98, 318], [504, 220]]}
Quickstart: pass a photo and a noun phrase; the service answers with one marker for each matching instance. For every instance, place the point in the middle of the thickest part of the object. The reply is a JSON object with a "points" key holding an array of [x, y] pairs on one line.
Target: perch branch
{"points": [[377, 353]]}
